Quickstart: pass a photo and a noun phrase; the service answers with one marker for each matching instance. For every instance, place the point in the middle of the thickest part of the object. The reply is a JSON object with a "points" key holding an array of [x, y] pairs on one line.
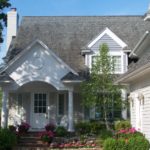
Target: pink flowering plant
{"points": [[23, 127], [47, 136], [127, 133]]}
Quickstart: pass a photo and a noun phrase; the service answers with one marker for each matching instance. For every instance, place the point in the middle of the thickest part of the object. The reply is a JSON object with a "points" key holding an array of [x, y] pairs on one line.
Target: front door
{"points": [[39, 110]]}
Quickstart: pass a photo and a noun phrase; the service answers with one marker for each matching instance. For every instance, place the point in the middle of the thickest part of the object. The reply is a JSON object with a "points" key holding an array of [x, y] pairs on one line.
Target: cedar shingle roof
{"points": [[66, 36]]}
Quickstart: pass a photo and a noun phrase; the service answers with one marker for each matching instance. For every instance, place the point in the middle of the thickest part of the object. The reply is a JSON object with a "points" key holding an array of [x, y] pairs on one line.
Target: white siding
{"points": [[142, 86]]}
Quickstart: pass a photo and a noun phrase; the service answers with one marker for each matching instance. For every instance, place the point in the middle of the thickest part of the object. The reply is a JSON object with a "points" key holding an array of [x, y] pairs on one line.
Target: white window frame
{"points": [[121, 54]]}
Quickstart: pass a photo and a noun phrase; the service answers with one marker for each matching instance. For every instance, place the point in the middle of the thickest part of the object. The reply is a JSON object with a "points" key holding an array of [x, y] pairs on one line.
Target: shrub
{"points": [[92, 127], [61, 131], [138, 143], [110, 144], [12, 128], [127, 139], [50, 127], [83, 127], [8, 139], [95, 127], [23, 127], [122, 125]]}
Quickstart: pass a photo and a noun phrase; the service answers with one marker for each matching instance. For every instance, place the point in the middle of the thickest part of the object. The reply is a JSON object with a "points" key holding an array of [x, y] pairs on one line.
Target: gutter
{"points": [[139, 43]]}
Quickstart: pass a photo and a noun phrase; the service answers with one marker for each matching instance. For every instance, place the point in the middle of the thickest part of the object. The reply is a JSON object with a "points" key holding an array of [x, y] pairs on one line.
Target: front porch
{"points": [[39, 103]]}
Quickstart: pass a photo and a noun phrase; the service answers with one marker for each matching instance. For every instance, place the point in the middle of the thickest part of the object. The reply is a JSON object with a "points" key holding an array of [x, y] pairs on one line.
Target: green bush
{"points": [[133, 143], [93, 127], [110, 144], [8, 139], [83, 127], [138, 143], [61, 131], [122, 125]]}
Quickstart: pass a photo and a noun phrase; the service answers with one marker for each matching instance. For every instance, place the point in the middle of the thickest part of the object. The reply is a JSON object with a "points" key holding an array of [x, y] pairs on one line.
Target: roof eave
{"points": [[134, 75]]}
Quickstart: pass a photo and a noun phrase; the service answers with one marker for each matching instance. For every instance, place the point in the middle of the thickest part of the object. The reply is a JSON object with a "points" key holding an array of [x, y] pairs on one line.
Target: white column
{"points": [[70, 112], [124, 98], [4, 112]]}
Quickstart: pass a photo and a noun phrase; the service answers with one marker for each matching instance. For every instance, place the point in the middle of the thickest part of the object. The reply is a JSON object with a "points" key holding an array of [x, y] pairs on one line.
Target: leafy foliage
{"points": [[3, 17], [8, 139], [61, 131], [127, 139], [124, 124], [99, 89]]}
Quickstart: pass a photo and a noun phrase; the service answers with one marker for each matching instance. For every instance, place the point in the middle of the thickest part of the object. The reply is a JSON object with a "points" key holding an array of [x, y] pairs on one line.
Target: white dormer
{"points": [[116, 47]]}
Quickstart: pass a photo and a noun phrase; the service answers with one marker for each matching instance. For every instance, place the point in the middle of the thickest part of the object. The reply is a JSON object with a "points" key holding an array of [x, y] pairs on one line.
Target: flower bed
{"points": [[127, 139]]}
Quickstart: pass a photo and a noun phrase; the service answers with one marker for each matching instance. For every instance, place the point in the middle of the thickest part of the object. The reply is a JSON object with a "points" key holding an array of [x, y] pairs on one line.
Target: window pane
{"points": [[61, 104], [40, 102], [117, 63]]}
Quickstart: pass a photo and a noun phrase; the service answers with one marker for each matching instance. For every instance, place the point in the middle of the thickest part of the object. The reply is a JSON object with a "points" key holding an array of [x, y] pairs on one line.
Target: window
{"points": [[117, 63], [40, 103], [61, 104]]}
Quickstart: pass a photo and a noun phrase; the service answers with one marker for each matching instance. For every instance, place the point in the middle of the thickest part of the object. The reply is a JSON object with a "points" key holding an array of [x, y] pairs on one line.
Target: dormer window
{"points": [[117, 63]]}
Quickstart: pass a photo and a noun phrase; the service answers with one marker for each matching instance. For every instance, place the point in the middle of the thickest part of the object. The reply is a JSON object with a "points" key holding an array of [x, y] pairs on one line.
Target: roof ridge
{"points": [[92, 16]]}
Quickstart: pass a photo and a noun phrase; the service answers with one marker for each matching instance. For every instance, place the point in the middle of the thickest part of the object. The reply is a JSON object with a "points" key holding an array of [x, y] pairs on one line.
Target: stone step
{"points": [[30, 148]]}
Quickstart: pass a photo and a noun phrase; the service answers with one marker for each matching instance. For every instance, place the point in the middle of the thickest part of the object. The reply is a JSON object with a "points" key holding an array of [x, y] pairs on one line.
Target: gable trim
{"points": [[44, 46], [111, 34]]}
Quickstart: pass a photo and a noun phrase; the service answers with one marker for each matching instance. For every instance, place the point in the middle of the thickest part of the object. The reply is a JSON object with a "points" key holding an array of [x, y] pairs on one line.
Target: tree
{"points": [[3, 17], [99, 89]]}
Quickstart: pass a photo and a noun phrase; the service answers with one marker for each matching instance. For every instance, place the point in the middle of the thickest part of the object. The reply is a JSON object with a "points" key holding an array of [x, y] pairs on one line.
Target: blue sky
{"points": [[78, 8]]}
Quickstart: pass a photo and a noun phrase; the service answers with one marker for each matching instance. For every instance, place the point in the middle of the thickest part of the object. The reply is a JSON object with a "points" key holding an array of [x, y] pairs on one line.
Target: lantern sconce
{"points": [[131, 100], [141, 98]]}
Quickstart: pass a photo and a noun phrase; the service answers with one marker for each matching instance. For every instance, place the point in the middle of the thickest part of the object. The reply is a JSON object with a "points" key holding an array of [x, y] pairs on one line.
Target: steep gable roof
{"points": [[68, 35]]}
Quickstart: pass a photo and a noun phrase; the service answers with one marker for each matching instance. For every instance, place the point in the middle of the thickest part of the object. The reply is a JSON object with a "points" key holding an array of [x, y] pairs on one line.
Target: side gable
{"points": [[107, 32]]}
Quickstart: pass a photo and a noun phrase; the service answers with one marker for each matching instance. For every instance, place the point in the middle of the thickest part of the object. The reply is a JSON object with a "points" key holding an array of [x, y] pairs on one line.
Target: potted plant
{"points": [[23, 127], [47, 136]]}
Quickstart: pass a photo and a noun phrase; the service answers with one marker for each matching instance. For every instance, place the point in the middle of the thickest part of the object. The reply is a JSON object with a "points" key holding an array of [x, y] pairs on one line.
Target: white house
{"points": [[48, 58], [137, 78]]}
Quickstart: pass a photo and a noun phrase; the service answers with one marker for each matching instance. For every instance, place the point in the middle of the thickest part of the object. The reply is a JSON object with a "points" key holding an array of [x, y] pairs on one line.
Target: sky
{"points": [[76, 8]]}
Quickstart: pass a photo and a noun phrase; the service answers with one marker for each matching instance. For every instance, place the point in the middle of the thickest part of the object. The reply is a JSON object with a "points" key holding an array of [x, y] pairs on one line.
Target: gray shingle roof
{"points": [[66, 36]]}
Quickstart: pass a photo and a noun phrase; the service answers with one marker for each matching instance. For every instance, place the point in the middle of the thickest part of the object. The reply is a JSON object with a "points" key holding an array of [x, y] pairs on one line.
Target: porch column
{"points": [[4, 111], [70, 111], [124, 98]]}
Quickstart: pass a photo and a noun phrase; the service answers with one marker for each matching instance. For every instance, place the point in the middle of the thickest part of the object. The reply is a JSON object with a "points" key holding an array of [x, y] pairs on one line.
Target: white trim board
{"points": [[111, 34]]}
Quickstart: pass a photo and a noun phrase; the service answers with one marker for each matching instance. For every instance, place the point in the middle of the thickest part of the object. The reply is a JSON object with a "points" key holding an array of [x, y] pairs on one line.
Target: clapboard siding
{"points": [[113, 46], [145, 109]]}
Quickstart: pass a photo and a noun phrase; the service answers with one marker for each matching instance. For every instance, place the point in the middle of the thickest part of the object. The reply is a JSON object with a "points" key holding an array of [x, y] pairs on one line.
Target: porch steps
{"points": [[30, 141]]}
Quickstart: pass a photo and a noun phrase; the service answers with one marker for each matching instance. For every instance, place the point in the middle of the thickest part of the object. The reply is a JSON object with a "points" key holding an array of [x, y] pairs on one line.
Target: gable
{"points": [[107, 36], [38, 64], [113, 45]]}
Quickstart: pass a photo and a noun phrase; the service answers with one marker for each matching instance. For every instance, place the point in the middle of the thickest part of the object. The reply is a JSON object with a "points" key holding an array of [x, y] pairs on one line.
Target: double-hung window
{"points": [[61, 104]]}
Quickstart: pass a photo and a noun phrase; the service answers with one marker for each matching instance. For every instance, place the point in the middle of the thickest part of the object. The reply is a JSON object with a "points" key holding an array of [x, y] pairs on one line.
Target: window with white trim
{"points": [[61, 104], [117, 64]]}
